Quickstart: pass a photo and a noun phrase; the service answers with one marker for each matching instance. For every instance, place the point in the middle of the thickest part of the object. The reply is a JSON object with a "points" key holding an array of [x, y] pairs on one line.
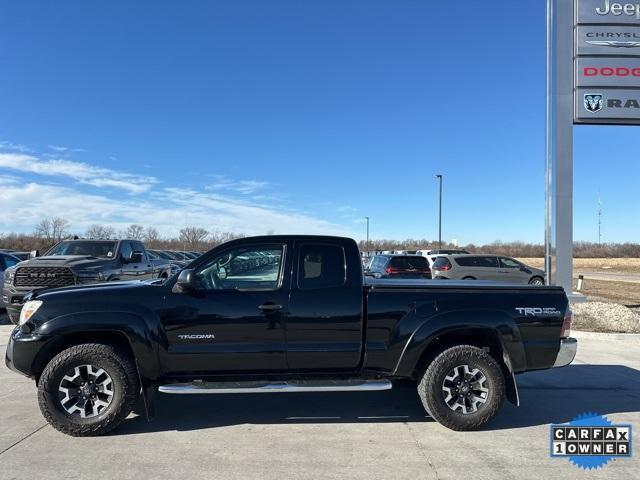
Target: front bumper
{"points": [[567, 351], [22, 351], [13, 299]]}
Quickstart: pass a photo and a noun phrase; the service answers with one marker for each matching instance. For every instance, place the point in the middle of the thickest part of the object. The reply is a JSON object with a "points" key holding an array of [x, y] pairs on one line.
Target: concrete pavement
{"points": [[333, 435]]}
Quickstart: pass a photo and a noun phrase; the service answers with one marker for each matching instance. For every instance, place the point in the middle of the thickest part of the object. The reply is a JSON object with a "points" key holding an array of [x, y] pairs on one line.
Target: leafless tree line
{"points": [[50, 231], [511, 249]]}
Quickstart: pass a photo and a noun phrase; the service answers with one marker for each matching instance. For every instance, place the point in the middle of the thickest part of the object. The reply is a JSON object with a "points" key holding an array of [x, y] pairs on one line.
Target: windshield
{"points": [[90, 249]]}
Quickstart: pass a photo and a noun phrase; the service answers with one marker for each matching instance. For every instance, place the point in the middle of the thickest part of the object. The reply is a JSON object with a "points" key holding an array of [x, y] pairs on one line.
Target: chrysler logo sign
{"points": [[613, 43]]}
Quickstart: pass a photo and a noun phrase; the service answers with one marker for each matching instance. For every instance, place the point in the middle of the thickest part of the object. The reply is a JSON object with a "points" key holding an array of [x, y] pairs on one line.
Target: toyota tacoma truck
{"points": [[80, 261], [284, 314]]}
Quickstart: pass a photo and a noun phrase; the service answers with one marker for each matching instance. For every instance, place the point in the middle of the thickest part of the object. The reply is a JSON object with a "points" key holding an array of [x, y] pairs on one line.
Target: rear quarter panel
{"points": [[403, 322]]}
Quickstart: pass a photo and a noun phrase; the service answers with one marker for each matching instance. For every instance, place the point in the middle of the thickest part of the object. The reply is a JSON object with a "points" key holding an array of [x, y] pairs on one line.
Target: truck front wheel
{"points": [[463, 388], [88, 389]]}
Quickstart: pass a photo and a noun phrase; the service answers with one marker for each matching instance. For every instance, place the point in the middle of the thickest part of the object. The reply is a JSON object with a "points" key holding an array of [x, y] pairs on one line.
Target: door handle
{"points": [[269, 307]]}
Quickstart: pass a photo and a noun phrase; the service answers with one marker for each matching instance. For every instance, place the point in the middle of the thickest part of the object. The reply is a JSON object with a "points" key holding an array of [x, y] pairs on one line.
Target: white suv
{"points": [[485, 267]]}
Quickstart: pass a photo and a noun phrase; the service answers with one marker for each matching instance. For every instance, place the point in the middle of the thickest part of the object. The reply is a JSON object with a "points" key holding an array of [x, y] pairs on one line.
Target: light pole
{"points": [[439, 177], [367, 218]]}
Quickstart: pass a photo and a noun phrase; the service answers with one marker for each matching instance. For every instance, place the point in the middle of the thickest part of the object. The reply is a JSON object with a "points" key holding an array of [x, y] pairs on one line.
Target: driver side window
{"points": [[244, 268], [126, 251], [509, 263]]}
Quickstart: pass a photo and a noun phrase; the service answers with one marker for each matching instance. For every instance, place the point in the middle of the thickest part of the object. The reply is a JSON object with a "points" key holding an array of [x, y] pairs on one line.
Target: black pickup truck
{"points": [[284, 314], [80, 261]]}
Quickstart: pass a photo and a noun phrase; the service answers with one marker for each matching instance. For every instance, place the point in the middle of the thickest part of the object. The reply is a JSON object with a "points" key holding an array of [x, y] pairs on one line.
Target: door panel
{"points": [[222, 332], [235, 322], [324, 324]]}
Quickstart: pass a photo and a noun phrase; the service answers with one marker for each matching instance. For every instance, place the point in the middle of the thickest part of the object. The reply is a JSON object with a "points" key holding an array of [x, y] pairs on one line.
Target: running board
{"points": [[276, 387]]}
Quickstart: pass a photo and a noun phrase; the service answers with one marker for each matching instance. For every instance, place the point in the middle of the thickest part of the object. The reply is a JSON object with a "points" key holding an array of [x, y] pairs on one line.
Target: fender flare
{"points": [[136, 327], [501, 328]]}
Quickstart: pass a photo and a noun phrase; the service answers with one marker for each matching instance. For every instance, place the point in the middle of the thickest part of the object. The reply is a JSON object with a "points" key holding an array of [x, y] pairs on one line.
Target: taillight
{"points": [[565, 331], [441, 268], [392, 270]]}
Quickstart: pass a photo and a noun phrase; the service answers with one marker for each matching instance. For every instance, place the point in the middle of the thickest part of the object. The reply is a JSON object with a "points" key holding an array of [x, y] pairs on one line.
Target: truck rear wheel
{"points": [[463, 388], [88, 389]]}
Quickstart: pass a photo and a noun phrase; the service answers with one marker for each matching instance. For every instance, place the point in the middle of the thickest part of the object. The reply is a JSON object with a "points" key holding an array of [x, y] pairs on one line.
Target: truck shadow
{"points": [[550, 396]]}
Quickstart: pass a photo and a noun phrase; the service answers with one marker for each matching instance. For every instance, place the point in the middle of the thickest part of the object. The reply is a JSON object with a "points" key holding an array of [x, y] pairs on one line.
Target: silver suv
{"points": [[485, 267]]}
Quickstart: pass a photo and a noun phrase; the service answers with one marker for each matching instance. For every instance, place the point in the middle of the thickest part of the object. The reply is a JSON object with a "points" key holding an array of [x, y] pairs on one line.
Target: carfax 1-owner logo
{"points": [[590, 441]]}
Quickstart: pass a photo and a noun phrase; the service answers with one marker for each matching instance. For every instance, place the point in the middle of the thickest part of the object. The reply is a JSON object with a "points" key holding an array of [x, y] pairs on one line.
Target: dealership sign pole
{"points": [[593, 77], [559, 145]]}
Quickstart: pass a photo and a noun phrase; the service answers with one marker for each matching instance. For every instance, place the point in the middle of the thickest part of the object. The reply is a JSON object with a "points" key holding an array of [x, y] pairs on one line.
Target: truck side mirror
{"points": [[186, 281], [34, 253]]}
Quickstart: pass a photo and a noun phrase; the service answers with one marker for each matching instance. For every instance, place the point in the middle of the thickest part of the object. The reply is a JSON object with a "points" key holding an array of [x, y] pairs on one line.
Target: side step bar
{"points": [[276, 387]]}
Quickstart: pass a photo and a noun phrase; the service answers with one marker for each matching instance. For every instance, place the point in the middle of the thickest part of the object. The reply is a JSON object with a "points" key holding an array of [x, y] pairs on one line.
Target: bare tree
{"points": [[52, 229], [193, 236], [134, 232], [100, 232], [151, 235]]}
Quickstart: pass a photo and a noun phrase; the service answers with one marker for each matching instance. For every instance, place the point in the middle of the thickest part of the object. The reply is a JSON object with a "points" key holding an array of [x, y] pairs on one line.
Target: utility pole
{"points": [[599, 220], [439, 177]]}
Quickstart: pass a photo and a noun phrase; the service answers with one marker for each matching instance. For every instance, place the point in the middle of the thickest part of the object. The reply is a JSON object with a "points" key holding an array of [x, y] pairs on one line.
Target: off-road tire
{"points": [[433, 398], [126, 388]]}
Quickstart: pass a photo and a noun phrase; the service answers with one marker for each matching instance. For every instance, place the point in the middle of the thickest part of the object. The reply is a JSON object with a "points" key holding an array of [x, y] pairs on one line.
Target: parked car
{"points": [[7, 260], [431, 255], [302, 321], [20, 255], [398, 266], [74, 262], [486, 267], [157, 260]]}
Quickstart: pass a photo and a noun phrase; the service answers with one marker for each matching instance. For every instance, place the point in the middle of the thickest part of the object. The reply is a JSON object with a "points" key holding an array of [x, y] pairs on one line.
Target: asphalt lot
{"points": [[332, 435]]}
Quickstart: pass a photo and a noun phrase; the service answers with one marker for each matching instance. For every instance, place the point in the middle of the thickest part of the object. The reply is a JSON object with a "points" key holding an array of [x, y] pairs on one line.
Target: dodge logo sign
{"points": [[593, 102]]}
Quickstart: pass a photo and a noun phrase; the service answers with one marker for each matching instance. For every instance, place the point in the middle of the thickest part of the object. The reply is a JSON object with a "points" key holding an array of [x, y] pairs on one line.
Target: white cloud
{"points": [[81, 172], [14, 147], [245, 187], [168, 210], [223, 205], [61, 149]]}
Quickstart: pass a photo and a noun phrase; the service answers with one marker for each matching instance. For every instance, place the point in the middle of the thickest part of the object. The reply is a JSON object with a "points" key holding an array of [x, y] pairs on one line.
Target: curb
{"points": [[605, 336]]}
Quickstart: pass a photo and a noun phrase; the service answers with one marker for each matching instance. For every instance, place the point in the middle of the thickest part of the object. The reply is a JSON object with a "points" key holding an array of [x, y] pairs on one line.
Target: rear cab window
{"points": [[321, 266]]}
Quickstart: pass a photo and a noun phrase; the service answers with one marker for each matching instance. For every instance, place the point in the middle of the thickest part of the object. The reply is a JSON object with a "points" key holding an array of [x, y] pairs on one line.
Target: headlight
{"points": [[8, 276], [28, 310], [90, 276]]}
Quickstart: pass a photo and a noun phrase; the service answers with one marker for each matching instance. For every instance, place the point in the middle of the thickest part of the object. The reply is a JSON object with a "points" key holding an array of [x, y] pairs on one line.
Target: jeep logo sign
{"points": [[608, 11]]}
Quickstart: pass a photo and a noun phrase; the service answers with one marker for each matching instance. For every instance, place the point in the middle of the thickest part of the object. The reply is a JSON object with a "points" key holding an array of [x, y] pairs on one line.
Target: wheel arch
{"points": [[128, 331], [499, 339]]}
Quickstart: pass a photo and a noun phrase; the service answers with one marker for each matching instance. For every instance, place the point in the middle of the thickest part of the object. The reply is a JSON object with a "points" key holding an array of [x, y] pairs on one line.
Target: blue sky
{"points": [[293, 116]]}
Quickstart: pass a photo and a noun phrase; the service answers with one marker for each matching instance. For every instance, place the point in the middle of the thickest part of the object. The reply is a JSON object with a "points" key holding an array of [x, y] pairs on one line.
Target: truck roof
{"points": [[281, 238]]}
